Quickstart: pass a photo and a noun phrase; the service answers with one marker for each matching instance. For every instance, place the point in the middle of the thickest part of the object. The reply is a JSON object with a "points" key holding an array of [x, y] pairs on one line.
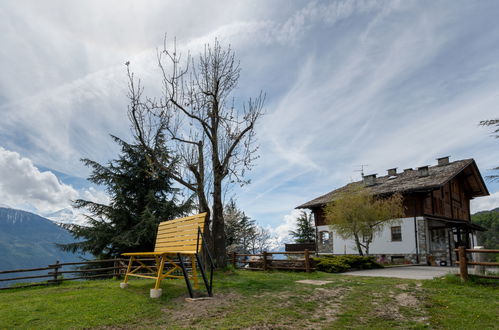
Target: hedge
{"points": [[343, 263]]}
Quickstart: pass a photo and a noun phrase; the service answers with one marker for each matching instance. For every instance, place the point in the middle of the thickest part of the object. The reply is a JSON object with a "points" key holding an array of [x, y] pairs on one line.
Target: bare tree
{"points": [[213, 139], [261, 240], [494, 123]]}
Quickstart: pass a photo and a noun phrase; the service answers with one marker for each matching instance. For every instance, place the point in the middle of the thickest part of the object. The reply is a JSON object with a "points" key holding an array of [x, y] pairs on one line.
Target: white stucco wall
{"points": [[382, 243]]}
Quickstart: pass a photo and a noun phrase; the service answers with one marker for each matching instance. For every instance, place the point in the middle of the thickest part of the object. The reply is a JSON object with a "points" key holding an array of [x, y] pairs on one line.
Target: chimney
{"points": [[392, 171], [443, 160], [408, 170], [423, 171], [369, 180]]}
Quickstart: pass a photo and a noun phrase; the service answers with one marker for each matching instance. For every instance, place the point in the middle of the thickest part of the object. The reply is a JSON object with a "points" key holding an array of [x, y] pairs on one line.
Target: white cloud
{"points": [[485, 203], [288, 223], [349, 83], [22, 185]]}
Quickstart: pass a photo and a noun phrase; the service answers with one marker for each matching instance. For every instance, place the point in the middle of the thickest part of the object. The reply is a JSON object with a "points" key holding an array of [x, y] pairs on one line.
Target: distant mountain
{"points": [[66, 215], [489, 211], [28, 240]]}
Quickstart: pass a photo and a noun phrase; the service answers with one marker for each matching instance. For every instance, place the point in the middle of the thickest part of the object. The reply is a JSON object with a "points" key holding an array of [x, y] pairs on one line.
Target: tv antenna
{"points": [[361, 169]]}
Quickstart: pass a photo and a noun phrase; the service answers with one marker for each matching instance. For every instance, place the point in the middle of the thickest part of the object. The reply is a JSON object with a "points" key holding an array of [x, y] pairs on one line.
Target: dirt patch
{"points": [[189, 312], [314, 282], [407, 300], [402, 286], [329, 303], [388, 312], [390, 309]]}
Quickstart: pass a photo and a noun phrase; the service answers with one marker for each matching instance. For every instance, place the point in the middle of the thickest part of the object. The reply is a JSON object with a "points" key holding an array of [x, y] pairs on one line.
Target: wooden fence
{"points": [[60, 272], [265, 261], [464, 262]]}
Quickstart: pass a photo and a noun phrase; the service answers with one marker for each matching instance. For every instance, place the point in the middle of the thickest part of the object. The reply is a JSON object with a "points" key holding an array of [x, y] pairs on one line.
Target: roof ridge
{"points": [[438, 175]]}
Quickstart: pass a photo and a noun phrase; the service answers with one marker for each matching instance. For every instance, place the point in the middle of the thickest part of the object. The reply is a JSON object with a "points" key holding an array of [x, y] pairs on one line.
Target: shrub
{"points": [[338, 264]]}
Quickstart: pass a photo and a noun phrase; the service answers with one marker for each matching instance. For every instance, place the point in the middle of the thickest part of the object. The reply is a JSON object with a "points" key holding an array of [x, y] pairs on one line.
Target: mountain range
{"points": [[28, 240]]}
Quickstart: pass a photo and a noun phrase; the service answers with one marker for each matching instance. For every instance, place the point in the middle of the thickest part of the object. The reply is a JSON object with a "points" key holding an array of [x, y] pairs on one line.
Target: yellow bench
{"points": [[177, 238]]}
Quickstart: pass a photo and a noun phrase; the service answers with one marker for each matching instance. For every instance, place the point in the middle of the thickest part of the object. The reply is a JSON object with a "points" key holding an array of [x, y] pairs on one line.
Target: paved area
{"points": [[411, 272]]}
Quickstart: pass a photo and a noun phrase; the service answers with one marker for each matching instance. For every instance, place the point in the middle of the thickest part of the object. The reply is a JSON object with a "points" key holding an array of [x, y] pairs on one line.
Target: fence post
{"points": [[264, 260], [479, 257], [463, 265], [56, 271], [307, 261], [234, 260], [116, 271]]}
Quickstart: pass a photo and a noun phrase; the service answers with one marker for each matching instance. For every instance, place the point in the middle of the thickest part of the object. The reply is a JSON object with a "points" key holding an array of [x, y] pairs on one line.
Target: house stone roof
{"points": [[411, 181]]}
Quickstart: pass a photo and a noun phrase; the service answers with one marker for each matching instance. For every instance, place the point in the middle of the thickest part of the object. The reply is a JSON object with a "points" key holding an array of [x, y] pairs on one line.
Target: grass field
{"points": [[257, 300]]}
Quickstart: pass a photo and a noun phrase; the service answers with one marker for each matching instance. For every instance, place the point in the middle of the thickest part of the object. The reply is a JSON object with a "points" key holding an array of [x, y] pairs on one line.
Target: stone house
{"points": [[437, 213]]}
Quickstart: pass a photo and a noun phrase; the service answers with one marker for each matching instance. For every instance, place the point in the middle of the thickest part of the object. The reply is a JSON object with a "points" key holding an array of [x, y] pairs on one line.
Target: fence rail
{"points": [[264, 261], [57, 273], [463, 262]]}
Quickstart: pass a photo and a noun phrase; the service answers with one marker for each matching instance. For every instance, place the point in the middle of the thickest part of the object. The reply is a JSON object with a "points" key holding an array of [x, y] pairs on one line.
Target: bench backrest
{"points": [[180, 235]]}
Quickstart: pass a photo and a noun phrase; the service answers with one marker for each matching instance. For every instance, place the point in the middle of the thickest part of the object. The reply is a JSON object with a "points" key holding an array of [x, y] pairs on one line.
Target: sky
{"points": [[378, 83]]}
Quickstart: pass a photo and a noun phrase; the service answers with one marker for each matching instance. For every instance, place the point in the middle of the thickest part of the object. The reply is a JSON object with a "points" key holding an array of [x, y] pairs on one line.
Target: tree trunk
{"points": [[357, 242], [218, 230]]}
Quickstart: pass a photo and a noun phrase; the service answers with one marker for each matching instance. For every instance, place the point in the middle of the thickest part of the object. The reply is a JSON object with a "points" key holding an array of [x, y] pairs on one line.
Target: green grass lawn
{"points": [[245, 299]]}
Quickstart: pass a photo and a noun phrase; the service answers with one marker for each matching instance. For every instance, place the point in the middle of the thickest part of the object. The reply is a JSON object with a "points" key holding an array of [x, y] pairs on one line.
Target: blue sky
{"points": [[382, 83]]}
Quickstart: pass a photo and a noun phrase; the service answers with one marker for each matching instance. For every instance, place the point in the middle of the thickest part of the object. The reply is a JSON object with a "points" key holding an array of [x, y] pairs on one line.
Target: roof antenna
{"points": [[361, 169]]}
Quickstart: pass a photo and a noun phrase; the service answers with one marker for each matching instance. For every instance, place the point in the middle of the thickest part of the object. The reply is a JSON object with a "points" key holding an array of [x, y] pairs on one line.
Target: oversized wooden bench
{"points": [[175, 240]]}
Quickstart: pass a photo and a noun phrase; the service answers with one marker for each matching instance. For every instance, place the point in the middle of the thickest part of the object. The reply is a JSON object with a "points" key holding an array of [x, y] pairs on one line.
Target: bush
{"points": [[343, 263]]}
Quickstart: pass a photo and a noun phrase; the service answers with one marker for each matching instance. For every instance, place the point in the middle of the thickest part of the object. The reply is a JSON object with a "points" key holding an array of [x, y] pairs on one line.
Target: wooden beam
{"points": [[463, 267]]}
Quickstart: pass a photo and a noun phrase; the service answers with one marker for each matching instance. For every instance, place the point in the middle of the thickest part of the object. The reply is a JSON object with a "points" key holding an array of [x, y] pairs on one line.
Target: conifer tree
{"points": [[141, 197], [240, 230], [305, 231]]}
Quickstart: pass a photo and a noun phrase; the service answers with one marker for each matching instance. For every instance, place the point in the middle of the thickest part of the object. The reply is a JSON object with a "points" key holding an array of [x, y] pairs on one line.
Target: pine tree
{"points": [[240, 230], [141, 197], [305, 231]]}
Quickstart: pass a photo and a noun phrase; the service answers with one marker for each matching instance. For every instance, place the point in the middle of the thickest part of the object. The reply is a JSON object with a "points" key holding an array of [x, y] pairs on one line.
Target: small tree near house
{"points": [[305, 231], [359, 215]]}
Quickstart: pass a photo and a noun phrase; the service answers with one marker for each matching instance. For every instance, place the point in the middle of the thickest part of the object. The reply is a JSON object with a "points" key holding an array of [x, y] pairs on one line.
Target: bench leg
{"points": [[160, 272], [203, 274], [156, 292], [124, 284], [194, 272], [186, 275]]}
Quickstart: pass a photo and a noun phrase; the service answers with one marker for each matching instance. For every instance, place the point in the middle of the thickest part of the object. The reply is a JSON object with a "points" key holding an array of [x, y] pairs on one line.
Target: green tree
{"points": [[305, 231], [490, 221], [495, 124], [359, 215], [240, 230], [141, 197], [489, 238]]}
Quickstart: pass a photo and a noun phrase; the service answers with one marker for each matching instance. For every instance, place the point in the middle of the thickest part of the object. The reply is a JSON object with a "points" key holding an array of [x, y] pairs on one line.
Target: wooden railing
{"points": [[264, 261], [59, 272], [463, 262]]}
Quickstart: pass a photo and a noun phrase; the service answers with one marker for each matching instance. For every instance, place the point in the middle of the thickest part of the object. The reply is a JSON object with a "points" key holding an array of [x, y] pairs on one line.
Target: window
{"points": [[438, 239], [366, 238], [397, 259], [324, 237], [396, 233]]}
